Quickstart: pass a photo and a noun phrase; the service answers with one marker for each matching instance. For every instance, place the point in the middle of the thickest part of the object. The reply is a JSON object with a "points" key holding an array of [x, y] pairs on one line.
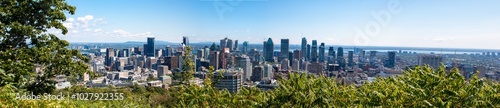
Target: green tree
{"points": [[210, 74], [188, 68], [25, 44]]}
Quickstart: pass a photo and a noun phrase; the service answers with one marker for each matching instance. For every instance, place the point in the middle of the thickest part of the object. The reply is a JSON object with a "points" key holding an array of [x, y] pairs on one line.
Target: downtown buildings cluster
{"points": [[244, 65]]}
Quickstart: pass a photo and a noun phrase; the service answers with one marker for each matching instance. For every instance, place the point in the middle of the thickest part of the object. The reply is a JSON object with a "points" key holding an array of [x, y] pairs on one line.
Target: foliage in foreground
{"points": [[420, 87]]}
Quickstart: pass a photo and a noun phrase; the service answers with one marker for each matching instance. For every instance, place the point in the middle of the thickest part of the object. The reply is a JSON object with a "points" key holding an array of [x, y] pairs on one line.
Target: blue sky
{"points": [[417, 23]]}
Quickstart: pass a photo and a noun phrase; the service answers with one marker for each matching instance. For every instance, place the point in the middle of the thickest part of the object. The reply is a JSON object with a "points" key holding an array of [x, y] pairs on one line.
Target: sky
{"points": [[412, 23]]}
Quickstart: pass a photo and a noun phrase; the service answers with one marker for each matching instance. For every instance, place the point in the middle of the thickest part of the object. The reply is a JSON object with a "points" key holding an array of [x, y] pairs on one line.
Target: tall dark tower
{"points": [[235, 45], [340, 57], [185, 40], [150, 48], [331, 55], [269, 50], [350, 58], [284, 49], [322, 52], [308, 54], [244, 48], [314, 51], [303, 47], [392, 59], [110, 53]]}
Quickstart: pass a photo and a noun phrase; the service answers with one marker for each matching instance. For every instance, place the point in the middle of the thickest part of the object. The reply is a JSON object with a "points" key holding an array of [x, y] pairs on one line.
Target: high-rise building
{"points": [[137, 50], [285, 63], [303, 48], [269, 50], [185, 40], [144, 49], [362, 54], [231, 80], [257, 73], [162, 70], [226, 43], [373, 54], [169, 51], [172, 62], [308, 53], [322, 53], [244, 48], [201, 53], [350, 58], [158, 52], [244, 63], [314, 51], [295, 64], [296, 54], [150, 47], [206, 52], [391, 59], [315, 67], [149, 62], [214, 59], [432, 60], [340, 57], [268, 71], [284, 49], [110, 54], [331, 55], [235, 45], [121, 53]]}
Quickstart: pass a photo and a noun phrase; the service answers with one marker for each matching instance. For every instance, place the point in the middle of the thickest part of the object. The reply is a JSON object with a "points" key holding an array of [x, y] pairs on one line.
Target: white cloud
{"points": [[97, 30], [443, 39], [74, 31], [70, 20], [86, 18], [68, 25]]}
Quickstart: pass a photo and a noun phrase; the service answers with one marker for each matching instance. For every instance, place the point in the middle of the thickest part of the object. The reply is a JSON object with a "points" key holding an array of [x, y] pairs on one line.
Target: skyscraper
{"points": [[322, 52], [340, 57], [284, 49], [350, 58], [314, 51], [331, 55], [235, 45], [269, 50], [214, 59], [185, 40], [207, 53], [303, 48], [110, 54], [295, 64], [226, 43], [244, 63], [244, 48], [257, 73], [308, 53], [296, 54], [285, 64], [390, 63], [150, 47]]}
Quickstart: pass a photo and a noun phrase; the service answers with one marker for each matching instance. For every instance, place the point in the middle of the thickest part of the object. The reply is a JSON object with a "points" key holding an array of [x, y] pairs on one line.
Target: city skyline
{"points": [[447, 24]]}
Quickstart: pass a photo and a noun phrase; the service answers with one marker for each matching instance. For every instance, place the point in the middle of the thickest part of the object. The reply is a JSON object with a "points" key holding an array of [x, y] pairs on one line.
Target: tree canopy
{"points": [[25, 44]]}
